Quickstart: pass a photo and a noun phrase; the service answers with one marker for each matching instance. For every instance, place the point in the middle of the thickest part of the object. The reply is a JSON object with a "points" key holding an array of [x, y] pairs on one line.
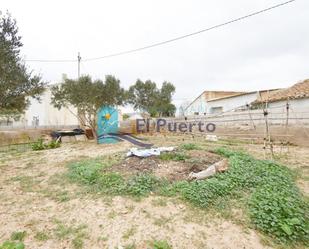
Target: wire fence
{"points": [[17, 141], [18, 147]]}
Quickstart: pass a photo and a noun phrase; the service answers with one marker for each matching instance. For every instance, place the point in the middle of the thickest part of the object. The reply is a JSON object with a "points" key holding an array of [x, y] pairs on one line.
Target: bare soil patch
{"points": [[170, 170]]}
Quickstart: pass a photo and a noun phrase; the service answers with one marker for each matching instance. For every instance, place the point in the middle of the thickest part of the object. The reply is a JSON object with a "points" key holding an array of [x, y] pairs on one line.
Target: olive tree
{"points": [[88, 96]]}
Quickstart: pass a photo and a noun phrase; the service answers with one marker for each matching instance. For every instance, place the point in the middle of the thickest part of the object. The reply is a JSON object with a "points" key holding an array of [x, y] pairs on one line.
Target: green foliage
{"points": [[76, 233], [53, 144], [142, 185], [190, 146], [40, 145], [165, 107], [173, 156], [17, 83], [167, 189], [225, 152], [110, 183], [160, 244], [88, 96], [143, 96], [18, 235], [125, 116], [12, 245], [41, 236], [91, 172], [8, 116], [146, 96], [87, 171], [276, 206], [15, 242], [78, 243], [278, 210]]}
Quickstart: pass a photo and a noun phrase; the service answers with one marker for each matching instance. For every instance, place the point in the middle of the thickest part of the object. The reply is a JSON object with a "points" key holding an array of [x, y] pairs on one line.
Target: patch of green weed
{"points": [[91, 173], [190, 146], [77, 234], [173, 156], [15, 242], [160, 244], [41, 236], [40, 145], [18, 235], [12, 245], [275, 204], [142, 185]]}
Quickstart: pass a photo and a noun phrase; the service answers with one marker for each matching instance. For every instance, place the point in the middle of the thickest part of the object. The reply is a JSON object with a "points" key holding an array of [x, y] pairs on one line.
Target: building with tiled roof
{"points": [[210, 102], [297, 91]]}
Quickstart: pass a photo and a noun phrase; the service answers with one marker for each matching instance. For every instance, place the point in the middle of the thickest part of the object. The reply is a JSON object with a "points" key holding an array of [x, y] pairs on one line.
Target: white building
{"points": [[296, 96], [210, 102], [42, 113], [199, 106]]}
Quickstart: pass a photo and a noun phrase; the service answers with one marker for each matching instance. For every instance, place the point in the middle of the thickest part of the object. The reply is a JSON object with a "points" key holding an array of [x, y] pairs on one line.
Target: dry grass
{"points": [[36, 198]]}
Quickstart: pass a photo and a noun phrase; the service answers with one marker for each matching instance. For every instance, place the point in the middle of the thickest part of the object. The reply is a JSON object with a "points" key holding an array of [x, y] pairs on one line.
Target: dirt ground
{"points": [[35, 197], [171, 170]]}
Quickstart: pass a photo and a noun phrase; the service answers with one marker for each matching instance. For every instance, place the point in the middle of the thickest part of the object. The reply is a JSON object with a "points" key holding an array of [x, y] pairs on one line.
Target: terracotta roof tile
{"points": [[299, 90]]}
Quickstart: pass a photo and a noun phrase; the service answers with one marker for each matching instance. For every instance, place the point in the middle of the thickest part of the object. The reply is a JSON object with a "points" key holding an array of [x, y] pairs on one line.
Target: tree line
{"points": [[18, 85]]}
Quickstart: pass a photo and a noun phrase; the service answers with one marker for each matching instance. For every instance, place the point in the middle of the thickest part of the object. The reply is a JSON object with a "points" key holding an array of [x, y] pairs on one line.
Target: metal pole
{"points": [[78, 62]]}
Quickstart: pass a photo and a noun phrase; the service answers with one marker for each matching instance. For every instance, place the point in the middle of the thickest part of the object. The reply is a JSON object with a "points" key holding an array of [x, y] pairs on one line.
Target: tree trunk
{"points": [[94, 132]]}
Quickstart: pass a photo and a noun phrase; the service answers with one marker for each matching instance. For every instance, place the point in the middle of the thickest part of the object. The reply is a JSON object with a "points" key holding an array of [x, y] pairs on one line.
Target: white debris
{"points": [[220, 166], [166, 149], [212, 138], [203, 174], [148, 152]]}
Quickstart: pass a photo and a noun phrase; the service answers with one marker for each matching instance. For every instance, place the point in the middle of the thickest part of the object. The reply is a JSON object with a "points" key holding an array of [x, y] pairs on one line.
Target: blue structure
{"points": [[108, 129], [107, 125]]}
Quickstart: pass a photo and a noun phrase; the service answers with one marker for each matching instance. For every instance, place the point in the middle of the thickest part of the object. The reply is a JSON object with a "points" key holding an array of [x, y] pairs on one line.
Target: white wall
{"points": [[47, 114], [201, 106], [231, 103], [198, 105], [298, 105]]}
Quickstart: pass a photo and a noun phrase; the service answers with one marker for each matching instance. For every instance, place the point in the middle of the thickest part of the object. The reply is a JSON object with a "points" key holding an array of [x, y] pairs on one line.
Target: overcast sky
{"points": [[270, 50]]}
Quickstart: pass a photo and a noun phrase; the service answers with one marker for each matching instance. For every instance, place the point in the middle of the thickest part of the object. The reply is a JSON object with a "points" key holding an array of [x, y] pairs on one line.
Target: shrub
{"points": [[111, 183], [15, 242], [160, 244], [40, 145], [275, 204], [53, 144], [190, 146], [18, 235], [12, 245], [86, 171], [142, 184], [125, 116], [278, 210], [91, 172]]}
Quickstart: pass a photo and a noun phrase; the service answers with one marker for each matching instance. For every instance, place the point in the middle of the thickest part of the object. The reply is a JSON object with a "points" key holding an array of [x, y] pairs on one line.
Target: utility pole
{"points": [[78, 62]]}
